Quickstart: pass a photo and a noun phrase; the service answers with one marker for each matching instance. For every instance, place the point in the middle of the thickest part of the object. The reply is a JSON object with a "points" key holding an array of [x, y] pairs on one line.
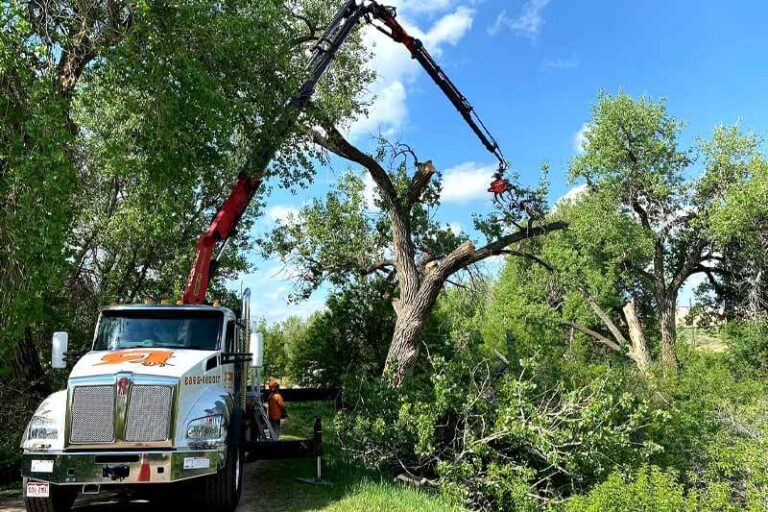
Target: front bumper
{"points": [[133, 467]]}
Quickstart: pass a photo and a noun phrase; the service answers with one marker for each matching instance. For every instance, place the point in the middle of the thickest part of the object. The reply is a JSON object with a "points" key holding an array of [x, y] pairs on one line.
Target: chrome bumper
{"points": [[134, 467]]}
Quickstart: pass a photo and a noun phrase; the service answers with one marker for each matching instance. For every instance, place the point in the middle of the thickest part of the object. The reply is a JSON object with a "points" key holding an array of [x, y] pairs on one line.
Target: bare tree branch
{"points": [[596, 335], [335, 142], [466, 254]]}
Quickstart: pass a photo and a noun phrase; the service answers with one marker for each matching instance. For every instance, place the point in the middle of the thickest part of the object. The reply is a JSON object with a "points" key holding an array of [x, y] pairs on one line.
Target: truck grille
{"points": [[93, 415], [149, 414]]}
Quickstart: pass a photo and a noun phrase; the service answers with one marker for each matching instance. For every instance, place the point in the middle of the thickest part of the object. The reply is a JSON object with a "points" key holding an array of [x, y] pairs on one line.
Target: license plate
{"points": [[42, 466], [196, 463], [38, 489]]}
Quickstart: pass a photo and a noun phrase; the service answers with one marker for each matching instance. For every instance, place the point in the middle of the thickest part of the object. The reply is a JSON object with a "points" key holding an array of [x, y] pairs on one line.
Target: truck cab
{"points": [[158, 399]]}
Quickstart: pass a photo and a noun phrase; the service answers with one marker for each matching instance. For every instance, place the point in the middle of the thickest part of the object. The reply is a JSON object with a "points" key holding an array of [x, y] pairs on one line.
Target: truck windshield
{"points": [[178, 329]]}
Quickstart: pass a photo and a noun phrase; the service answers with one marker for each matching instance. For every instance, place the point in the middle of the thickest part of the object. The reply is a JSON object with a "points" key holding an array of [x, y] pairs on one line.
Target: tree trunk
{"points": [[639, 350], [26, 366], [667, 307], [411, 317], [404, 349]]}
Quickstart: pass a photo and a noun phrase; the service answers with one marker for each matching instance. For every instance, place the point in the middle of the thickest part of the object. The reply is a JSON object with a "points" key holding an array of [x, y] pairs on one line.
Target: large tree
{"points": [[740, 224], [128, 124], [44, 49], [650, 218], [338, 238]]}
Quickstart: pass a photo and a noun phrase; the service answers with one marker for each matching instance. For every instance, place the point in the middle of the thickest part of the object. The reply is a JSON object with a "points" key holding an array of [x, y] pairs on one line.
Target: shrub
{"points": [[17, 409], [648, 490], [497, 439], [651, 489], [349, 339], [747, 344]]}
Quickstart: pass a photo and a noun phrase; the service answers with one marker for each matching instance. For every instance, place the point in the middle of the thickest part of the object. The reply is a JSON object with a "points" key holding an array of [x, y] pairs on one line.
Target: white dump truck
{"points": [[159, 399]]}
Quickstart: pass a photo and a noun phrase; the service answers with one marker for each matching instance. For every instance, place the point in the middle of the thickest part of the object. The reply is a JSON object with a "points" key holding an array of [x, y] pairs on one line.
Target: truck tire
{"points": [[61, 499], [221, 492]]}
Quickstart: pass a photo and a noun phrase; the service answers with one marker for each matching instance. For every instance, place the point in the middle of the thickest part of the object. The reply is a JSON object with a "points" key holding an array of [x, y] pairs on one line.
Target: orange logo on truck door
{"points": [[144, 357]]}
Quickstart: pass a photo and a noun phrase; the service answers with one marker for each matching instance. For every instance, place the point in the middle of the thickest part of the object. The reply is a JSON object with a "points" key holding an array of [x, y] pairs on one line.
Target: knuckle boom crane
{"points": [[346, 20]]}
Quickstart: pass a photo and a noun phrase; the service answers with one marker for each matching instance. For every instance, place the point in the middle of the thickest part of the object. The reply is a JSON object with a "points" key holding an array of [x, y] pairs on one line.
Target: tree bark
{"points": [[26, 365], [667, 308], [411, 317], [639, 346]]}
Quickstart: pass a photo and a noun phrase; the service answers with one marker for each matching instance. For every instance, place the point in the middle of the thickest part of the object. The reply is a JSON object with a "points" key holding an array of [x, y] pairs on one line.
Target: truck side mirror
{"points": [[257, 349], [60, 340]]}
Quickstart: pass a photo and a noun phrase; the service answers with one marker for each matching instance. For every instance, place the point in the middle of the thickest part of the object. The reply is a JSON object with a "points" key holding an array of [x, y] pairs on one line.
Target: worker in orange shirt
{"points": [[275, 407]]}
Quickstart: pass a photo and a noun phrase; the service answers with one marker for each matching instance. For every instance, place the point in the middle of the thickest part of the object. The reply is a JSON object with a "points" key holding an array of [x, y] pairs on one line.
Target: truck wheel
{"points": [[222, 491], [61, 499]]}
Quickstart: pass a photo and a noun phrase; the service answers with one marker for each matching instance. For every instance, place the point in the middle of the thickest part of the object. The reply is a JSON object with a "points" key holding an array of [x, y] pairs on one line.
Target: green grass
{"points": [[10, 490], [702, 339], [272, 485], [384, 497]]}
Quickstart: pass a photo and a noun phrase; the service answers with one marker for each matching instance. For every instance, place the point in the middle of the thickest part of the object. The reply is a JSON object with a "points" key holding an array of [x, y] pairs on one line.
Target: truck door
{"points": [[233, 370], [230, 347]]}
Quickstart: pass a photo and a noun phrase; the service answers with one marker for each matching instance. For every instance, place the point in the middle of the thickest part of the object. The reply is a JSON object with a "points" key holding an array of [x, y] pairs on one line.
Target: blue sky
{"points": [[532, 69]]}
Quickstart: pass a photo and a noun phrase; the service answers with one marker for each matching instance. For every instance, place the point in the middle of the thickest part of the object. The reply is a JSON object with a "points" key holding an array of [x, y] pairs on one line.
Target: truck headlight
{"points": [[208, 427], [41, 427]]}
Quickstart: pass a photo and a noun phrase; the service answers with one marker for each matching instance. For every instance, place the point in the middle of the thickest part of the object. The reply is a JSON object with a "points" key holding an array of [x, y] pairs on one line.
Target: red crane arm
{"points": [[222, 227], [394, 30]]}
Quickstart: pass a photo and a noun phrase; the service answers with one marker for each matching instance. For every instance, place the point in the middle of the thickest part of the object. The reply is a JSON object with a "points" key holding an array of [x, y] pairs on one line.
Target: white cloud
{"points": [[420, 7], [371, 192], [580, 138], [455, 228], [572, 194], [466, 182], [527, 24], [396, 70], [387, 113], [449, 29], [281, 213]]}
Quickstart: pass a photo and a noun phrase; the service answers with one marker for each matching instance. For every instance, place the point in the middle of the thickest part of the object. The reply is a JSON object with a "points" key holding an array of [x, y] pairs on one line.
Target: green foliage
{"points": [[37, 180], [169, 119], [345, 342], [652, 489], [347, 234], [739, 173], [497, 433], [502, 440], [495, 439], [111, 165], [632, 146], [335, 240], [348, 341], [16, 411], [504, 415], [118, 143], [747, 344]]}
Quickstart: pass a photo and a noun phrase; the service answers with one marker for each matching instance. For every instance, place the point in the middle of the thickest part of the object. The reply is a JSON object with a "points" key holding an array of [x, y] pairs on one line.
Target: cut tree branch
{"points": [[466, 254], [419, 182], [596, 336]]}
